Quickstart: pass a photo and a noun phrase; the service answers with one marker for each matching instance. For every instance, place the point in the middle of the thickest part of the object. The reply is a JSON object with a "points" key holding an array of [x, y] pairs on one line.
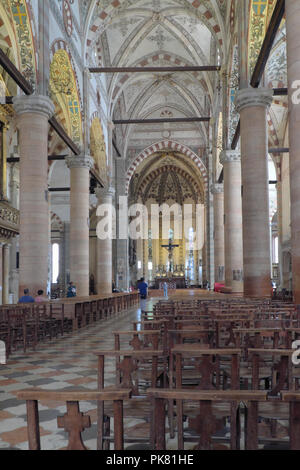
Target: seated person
{"points": [[26, 298], [71, 290], [40, 297]]}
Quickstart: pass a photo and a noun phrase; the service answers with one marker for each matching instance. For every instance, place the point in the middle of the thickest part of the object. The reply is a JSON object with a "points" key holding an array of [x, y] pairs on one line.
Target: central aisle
{"points": [[62, 364]]}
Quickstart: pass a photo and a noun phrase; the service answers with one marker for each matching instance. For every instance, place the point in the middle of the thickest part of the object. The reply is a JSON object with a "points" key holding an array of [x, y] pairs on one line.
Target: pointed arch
{"points": [[166, 145]]}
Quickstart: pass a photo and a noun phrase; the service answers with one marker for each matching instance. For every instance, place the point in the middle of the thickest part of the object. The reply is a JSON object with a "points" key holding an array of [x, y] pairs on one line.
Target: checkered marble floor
{"points": [[63, 364]]}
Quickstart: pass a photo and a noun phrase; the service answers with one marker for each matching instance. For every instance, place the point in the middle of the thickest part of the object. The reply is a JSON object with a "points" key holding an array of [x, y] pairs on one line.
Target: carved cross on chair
{"points": [[207, 367], [127, 367], [206, 425], [231, 338], [280, 376], [74, 423], [136, 343]]}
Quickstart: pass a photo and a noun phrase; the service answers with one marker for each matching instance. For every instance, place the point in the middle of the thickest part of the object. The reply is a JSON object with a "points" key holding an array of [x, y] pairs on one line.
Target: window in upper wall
{"points": [[55, 262]]}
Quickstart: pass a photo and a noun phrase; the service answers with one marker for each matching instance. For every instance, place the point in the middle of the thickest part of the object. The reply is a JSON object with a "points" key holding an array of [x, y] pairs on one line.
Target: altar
{"points": [[172, 275], [172, 282]]}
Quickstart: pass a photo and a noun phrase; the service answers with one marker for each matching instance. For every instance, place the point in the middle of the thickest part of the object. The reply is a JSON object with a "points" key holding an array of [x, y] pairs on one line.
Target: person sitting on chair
{"points": [[26, 298], [71, 290], [40, 297]]}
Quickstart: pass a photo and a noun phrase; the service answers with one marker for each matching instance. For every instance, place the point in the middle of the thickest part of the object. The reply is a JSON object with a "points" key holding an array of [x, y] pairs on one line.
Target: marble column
{"points": [[210, 264], [1, 273], [122, 245], [104, 248], [252, 104], [292, 8], [14, 247], [33, 113], [80, 166], [233, 220], [218, 193]]}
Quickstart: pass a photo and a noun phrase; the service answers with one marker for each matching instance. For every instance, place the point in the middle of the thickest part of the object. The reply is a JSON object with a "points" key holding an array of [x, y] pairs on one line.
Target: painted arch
{"points": [[97, 148], [166, 145], [65, 94]]}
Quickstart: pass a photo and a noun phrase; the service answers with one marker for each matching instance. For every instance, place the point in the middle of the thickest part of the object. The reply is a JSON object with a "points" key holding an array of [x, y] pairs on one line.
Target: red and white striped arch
{"points": [[166, 145]]}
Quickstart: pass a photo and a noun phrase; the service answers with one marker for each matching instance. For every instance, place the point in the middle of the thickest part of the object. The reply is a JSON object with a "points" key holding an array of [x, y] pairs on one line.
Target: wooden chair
{"points": [[206, 369], [129, 374], [57, 311], [203, 428], [273, 367], [73, 422], [271, 370], [203, 369], [198, 335], [46, 325], [138, 339], [23, 327]]}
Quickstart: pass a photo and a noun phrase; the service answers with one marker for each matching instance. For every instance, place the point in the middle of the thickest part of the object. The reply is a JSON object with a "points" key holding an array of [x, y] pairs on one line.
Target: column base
{"points": [[259, 287], [237, 289]]}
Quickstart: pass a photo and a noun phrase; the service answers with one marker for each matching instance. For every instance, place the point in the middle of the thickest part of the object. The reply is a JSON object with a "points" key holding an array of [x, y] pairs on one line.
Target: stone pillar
{"points": [[252, 104], [6, 255], [14, 247], [292, 8], [210, 264], [122, 245], [33, 113], [218, 193], [233, 220], [104, 248], [1, 273], [79, 221]]}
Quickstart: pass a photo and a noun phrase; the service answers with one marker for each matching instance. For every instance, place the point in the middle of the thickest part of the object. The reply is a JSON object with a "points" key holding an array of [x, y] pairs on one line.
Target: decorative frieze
{"points": [[9, 220]]}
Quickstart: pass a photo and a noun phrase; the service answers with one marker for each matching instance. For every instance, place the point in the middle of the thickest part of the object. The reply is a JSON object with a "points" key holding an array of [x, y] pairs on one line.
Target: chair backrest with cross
{"points": [[136, 370], [74, 422], [213, 418]]}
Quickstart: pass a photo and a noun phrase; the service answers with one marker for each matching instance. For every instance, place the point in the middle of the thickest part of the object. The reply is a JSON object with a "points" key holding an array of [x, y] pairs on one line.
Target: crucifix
{"points": [[170, 247]]}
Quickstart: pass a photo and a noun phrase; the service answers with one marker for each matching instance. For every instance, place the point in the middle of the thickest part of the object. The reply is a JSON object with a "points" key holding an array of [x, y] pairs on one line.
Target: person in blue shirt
{"points": [[26, 298], [143, 288], [71, 290]]}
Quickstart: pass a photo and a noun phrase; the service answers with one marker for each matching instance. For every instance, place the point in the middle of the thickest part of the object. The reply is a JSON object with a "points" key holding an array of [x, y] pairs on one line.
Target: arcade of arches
{"points": [[49, 190]]}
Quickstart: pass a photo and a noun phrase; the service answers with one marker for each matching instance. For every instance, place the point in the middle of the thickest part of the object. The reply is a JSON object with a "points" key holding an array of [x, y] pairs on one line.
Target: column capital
{"points": [[80, 161], [103, 193], [37, 104], [228, 156], [217, 188], [247, 97]]}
